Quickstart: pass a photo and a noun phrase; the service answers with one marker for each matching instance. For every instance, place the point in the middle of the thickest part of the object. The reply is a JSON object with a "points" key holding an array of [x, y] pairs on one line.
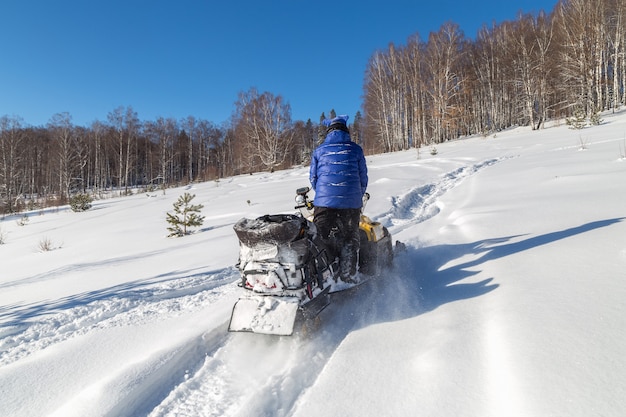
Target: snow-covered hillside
{"points": [[509, 300]]}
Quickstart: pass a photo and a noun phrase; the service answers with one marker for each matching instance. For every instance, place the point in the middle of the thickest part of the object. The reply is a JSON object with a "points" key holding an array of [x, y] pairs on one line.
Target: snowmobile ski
{"points": [[317, 304], [345, 286]]}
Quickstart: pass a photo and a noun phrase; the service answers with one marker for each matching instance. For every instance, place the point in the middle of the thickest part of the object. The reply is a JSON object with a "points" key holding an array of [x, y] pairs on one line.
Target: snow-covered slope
{"points": [[509, 300]]}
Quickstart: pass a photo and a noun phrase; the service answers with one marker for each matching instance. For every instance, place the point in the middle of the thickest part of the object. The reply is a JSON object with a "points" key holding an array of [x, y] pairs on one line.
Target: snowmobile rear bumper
{"points": [[264, 314], [274, 315]]}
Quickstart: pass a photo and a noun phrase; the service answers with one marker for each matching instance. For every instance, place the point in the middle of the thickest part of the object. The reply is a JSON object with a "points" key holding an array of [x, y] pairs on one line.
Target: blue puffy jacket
{"points": [[338, 172]]}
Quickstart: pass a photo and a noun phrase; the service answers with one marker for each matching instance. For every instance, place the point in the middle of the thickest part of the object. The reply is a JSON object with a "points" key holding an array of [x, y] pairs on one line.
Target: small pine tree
{"points": [[321, 130], [595, 119], [578, 120], [185, 216], [80, 202], [23, 221], [433, 149]]}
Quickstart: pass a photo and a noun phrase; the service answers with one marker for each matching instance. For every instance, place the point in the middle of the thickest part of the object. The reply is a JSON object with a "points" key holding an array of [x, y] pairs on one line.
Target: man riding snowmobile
{"points": [[338, 175], [286, 268], [292, 263]]}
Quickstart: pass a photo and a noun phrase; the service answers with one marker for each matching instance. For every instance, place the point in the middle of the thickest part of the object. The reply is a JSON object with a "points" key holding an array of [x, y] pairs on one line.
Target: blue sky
{"points": [[192, 57]]}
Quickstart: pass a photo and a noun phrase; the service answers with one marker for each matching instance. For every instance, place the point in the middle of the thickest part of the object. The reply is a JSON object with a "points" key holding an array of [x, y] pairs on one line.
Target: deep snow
{"points": [[509, 300]]}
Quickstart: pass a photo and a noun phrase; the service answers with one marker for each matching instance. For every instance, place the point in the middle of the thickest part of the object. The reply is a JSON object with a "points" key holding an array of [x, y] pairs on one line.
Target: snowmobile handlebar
{"points": [[304, 202], [302, 199]]}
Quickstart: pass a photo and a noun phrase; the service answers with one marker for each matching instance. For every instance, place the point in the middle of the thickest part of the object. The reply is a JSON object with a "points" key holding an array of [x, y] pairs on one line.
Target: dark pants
{"points": [[339, 229]]}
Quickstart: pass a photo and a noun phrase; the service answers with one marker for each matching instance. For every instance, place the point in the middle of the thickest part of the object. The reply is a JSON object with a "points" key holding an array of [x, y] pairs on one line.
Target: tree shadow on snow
{"points": [[424, 278]]}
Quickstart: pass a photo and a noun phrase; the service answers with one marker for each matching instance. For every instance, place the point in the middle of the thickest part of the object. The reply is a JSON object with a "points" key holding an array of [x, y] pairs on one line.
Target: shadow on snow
{"points": [[428, 277]]}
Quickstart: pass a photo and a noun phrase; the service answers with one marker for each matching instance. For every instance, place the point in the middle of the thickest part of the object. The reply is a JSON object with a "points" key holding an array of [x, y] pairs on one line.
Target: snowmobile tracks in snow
{"points": [[178, 368], [420, 204], [213, 374], [292, 363], [124, 305], [250, 374]]}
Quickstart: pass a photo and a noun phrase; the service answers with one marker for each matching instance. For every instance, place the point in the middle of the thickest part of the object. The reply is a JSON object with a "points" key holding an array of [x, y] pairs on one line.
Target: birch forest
{"points": [[568, 63]]}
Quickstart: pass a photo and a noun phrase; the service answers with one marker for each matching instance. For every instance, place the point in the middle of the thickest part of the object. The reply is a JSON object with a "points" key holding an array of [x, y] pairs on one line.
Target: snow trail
{"points": [[421, 203], [242, 370], [252, 372], [217, 373], [248, 373], [124, 305]]}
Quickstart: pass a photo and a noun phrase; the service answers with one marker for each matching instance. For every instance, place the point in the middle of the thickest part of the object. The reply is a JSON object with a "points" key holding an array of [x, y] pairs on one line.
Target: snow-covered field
{"points": [[509, 300]]}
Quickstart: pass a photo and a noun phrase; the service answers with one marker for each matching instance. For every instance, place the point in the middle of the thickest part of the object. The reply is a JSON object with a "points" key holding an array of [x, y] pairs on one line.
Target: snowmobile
{"points": [[287, 271]]}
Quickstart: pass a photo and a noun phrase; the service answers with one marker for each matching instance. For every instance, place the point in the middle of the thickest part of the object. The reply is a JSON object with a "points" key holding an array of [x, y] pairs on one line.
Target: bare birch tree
{"points": [[62, 130], [125, 124], [443, 56], [578, 23], [264, 120], [163, 132], [11, 168], [377, 106]]}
